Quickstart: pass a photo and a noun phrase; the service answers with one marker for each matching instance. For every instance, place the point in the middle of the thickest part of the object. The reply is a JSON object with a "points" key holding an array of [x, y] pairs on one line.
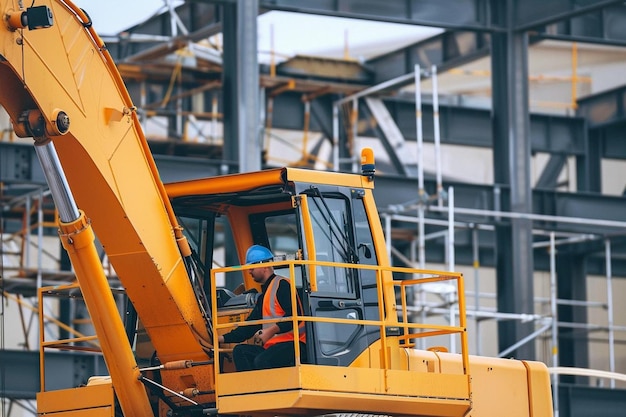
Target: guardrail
{"points": [[392, 283]]}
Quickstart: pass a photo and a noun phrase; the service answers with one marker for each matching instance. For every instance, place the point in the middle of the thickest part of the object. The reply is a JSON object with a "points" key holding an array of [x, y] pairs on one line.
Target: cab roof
{"points": [[236, 183]]}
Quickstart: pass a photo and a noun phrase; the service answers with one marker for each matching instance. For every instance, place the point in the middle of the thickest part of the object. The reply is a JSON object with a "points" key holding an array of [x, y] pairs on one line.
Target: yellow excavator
{"points": [[60, 86]]}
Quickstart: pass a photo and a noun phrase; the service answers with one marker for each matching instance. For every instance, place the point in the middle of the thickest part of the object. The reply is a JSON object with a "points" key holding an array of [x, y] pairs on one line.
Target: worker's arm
{"points": [[241, 333]]}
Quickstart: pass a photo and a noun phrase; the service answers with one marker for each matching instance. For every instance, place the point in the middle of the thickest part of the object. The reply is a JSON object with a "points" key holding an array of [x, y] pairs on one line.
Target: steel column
{"points": [[242, 140], [573, 343], [511, 153]]}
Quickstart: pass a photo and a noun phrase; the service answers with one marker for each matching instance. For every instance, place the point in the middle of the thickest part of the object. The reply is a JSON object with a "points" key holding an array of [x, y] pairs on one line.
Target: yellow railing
{"points": [[389, 292], [79, 342]]}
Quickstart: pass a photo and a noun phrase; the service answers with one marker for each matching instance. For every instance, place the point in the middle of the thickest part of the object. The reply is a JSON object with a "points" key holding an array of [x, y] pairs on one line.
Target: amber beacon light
{"points": [[368, 167]]}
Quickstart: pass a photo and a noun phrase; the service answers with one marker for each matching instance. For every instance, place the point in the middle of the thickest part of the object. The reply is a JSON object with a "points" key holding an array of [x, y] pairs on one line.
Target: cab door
{"points": [[336, 231]]}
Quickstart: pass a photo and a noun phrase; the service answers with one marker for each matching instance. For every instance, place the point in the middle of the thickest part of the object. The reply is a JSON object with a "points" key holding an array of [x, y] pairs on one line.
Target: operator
{"points": [[273, 342]]}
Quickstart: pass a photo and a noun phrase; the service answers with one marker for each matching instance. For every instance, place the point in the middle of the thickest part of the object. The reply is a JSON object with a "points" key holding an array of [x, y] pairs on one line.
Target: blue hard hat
{"points": [[257, 254]]}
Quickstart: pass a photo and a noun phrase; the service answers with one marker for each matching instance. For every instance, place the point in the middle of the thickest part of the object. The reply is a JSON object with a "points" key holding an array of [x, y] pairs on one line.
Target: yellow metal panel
{"points": [[225, 183], [422, 360], [258, 381], [328, 388], [233, 316], [138, 194], [383, 404], [340, 379], [539, 389], [88, 398], [316, 377], [197, 377], [323, 402], [249, 181], [163, 321], [327, 177], [428, 384], [89, 412], [499, 386], [450, 363]]}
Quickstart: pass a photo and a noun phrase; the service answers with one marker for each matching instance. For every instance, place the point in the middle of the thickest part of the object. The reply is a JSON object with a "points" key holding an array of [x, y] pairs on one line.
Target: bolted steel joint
{"points": [[33, 123], [62, 122]]}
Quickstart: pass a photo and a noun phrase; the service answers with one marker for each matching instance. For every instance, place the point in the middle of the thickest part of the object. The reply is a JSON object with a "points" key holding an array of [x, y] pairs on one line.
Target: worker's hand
{"points": [[220, 339], [258, 338], [262, 336]]}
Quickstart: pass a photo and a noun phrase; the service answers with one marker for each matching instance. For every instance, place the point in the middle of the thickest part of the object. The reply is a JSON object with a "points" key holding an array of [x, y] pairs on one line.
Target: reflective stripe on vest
{"points": [[272, 309]]}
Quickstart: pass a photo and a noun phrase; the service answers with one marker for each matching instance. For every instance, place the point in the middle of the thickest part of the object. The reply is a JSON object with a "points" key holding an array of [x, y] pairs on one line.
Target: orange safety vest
{"points": [[272, 309]]}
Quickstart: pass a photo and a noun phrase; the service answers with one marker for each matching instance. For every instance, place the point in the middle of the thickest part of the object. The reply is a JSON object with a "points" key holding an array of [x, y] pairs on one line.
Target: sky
{"points": [[113, 16], [293, 33]]}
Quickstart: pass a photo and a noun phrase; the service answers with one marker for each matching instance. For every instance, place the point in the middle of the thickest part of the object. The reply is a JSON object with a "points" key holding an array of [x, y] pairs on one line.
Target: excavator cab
{"points": [[298, 220]]}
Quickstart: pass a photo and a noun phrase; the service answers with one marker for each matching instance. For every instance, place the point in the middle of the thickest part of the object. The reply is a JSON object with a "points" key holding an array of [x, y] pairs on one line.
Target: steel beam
{"points": [[447, 50], [597, 21], [605, 115], [593, 21], [389, 134], [468, 14], [528, 14], [459, 125], [589, 166], [604, 109], [396, 194], [550, 175], [241, 86], [396, 190], [19, 371]]}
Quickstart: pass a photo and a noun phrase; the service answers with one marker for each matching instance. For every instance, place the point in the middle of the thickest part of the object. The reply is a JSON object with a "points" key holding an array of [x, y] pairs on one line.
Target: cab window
{"points": [[332, 233]]}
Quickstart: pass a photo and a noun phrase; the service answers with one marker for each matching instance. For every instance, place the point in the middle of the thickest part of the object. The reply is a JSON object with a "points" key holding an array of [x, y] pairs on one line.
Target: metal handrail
{"points": [[384, 281], [62, 344]]}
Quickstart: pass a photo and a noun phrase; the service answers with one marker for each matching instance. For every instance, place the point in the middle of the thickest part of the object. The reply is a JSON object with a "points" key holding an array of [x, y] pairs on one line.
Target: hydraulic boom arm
{"points": [[59, 83]]}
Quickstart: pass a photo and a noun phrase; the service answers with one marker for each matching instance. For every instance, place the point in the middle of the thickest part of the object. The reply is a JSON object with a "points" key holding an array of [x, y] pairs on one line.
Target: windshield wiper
{"points": [[348, 251]]}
